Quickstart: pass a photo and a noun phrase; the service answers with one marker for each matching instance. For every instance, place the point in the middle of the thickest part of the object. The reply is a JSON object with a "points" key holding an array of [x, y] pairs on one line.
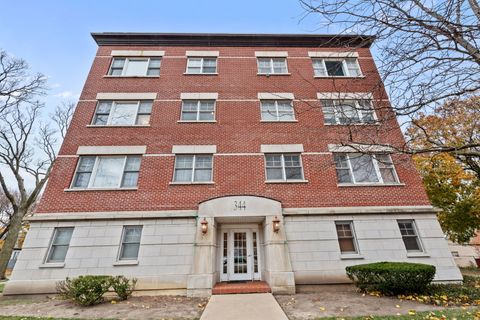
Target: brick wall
{"points": [[238, 130]]}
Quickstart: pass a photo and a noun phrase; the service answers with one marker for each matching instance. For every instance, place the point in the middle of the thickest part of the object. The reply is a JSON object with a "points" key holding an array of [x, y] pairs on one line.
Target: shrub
{"points": [[85, 290], [392, 278], [123, 286]]}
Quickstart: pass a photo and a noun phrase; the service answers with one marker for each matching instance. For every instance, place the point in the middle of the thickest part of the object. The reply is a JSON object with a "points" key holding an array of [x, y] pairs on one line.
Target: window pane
{"points": [[189, 115], [184, 162], [124, 114], [154, 63], [344, 230], [334, 68], [203, 175], [136, 67], [116, 72], [203, 162], [292, 161], [347, 112], [264, 66], [279, 65], [341, 161], [285, 111], [293, 173], [194, 62], [101, 120], [183, 175], [406, 228], [130, 251], [273, 160], [62, 236], [343, 176], [58, 254], [347, 245], [353, 68], [207, 105], [104, 107], [411, 243], [143, 119], [109, 172], [130, 179], [209, 65], [274, 174], [132, 234], [388, 175], [81, 180], [190, 105], [318, 68], [153, 72], [269, 112], [133, 163], [86, 164], [206, 116], [118, 63], [363, 169]]}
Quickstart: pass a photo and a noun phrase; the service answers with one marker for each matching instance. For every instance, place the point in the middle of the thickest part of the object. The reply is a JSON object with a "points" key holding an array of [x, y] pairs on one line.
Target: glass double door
{"points": [[240, 255]]}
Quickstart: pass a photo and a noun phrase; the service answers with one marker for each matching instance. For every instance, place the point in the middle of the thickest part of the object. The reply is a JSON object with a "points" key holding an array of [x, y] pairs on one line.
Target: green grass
{"points": [[35, 318], [459, 314], [2, 285]]}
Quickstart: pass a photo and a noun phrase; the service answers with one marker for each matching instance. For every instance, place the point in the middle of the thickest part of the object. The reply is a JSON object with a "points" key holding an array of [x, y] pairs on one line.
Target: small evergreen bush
{"points": [[123, 286], [392, 278], [89, 290], [84, 290]]}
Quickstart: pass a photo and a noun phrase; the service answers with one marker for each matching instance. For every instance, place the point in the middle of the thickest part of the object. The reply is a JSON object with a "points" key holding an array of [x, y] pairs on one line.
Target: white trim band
{"points": [[191, 53], [126, 96], [199, 95], [275, 96], [344, 95], [138, 53], [281, 148], [271, 54], [109, 150], [194, 149], [85, 216], [329, 54], [360, 210], [359, 148]]}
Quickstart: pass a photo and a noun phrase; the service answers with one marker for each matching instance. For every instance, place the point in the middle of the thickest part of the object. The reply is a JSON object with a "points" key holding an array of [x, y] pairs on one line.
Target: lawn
{"points": [[2, 285], [458, 314]]}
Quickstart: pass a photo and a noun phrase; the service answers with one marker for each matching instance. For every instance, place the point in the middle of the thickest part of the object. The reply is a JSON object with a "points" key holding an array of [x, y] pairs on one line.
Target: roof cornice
{"points": [[232, 40]]}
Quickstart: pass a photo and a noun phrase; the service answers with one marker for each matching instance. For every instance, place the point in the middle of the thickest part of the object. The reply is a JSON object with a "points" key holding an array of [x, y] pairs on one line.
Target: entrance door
{"points": [[240, 255]]}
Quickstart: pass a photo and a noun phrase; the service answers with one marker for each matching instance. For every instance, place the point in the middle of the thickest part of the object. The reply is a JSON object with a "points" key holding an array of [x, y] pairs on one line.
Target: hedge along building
{"points": [[189, 161]]}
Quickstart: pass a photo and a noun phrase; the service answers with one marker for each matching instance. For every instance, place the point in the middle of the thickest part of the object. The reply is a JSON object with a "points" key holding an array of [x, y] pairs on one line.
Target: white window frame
{"points": [[127, 59], [272, 70], [50, 245], [344, 67], [284, 174], [94, 172], [358, 108], [112, 108], [120, 249], [417, 235], [277, 116], [202, 65], [192, 181], [198, 101], [375, 166], [354, 237]]}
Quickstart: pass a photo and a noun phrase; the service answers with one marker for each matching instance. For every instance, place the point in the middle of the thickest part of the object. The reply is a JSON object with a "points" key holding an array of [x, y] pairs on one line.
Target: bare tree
{"points": [[428, 53], [27, 148], [16, 83]]}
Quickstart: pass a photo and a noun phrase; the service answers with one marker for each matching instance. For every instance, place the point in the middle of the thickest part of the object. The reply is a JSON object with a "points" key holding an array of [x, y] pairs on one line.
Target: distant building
{"points": [[194, 159]]}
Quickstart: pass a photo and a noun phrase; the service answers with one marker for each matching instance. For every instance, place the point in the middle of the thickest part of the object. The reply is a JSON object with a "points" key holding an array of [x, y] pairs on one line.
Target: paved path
{"points": [[255, 306]]}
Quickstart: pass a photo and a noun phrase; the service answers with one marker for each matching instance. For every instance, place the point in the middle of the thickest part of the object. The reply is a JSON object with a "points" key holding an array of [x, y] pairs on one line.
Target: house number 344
{"points": [[239, 205]]}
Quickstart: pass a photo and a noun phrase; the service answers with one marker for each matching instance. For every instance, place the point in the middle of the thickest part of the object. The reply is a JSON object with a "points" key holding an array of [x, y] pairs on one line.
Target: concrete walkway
{"points": [[255, 306]]}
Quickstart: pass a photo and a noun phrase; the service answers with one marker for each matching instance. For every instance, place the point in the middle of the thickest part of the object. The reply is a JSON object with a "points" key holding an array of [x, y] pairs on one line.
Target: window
{"points": [[122, 113], [59, 245], [277, 110], [336, 67], [107, 172], [348, 111], [283, 167], [130, 243], [135, 67], [409, 235], [346, 237], [363, 168], [201, 65], [272, 65], [198, 110], [193, 168]]}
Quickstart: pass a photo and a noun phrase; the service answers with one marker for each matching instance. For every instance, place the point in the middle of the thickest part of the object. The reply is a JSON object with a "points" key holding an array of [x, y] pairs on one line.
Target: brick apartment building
{"points": [[194, 159]]}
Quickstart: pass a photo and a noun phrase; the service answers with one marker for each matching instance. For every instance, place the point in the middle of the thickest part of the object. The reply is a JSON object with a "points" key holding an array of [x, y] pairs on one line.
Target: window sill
{"points": [[277, 121], [351, 256], [125, 263], [273, 74], [119, 126], [110, 76], [338, 77], [417, 255], [99, 189], [286, 181], [202, 121], [191, 183], [52, 265], [343, 185], [200, 74]]}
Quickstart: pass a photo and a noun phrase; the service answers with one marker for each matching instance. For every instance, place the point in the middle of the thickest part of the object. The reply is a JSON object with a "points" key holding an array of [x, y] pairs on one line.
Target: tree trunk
{"points": [[10, 240]]}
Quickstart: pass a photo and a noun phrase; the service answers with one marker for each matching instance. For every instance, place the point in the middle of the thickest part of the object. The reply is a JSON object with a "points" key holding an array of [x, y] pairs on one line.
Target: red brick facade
{"points": [[237, 131]]}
